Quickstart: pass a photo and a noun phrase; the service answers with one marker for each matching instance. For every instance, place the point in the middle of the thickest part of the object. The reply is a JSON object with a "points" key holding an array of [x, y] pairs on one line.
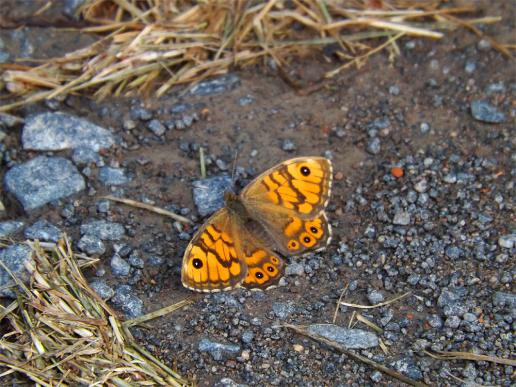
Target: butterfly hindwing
{"points": [[264, 268], [212, 261]]}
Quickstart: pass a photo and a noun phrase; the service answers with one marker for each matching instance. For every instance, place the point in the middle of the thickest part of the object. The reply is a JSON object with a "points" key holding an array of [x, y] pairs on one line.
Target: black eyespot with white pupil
{"points": [[313, 230], [259, 275], [197, 263], [270, 269], [307, 239], [305, 171]]}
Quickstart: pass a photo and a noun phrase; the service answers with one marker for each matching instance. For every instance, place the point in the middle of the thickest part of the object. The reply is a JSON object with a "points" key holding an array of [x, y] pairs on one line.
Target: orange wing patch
{"points": [[263, 269], [304, 235], [301, 185], [211, 262]]}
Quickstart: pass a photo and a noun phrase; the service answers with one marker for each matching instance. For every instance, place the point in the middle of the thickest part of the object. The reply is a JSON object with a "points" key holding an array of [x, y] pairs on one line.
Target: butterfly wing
{"points": [[264, 268], [301, 185], [213, 260], [289, 201]]}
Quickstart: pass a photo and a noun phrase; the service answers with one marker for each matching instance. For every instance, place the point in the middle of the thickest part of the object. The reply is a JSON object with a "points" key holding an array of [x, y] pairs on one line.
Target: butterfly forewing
{"points": [[213, 260], [289, 201], [301, 186]]}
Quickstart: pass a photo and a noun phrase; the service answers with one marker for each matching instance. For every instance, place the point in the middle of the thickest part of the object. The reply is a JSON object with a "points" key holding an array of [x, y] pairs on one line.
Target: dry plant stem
{"points": [[377, 305], [455, 355], [342, 294], [143, 44], [74, 336], [157, 313], [148, 207], [356, 356]]}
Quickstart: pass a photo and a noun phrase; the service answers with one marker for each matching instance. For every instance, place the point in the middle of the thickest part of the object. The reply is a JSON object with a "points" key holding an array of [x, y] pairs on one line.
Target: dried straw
{"points": [[158, 44], [60, 332]]}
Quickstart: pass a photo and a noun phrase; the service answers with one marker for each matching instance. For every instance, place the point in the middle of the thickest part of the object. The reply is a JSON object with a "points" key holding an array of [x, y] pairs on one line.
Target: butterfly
{"points": [[279, 213]]}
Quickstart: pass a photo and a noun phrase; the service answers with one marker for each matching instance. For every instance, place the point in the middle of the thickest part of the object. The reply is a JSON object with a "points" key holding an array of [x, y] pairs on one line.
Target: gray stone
{"points": [[135, 260], [218, 351], [102, 289], [246, 100], [127, 301], [43, 180], [113, 176], [10, 227], [504, 299], [247, 337], [374, 146], [208, 193], [216, 85], [228, 382], [375, 297], [349, 338], [294, 269], [91, 245], [485, 112], [84, 155], [57, 131], [119, 266], [15, 258], [408, 367], [156, 127], [288, 145], [376, 376], [401, 218], [450, 300], [43, 230], [452, 322], [282, 309], [453, 252], [507, 241], [103, 229], [421, 186]]}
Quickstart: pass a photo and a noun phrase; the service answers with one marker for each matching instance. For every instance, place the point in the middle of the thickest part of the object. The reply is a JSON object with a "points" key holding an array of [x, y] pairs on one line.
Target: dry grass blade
{"points": [[377, 305], [157, 313], [154, 45], [356, 356], [148, 207], [60, 332], [455, 355]]}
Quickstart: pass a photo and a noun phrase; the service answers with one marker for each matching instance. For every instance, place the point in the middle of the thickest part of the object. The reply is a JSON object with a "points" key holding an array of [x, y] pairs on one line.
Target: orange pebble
{"points": [[397, 172]]}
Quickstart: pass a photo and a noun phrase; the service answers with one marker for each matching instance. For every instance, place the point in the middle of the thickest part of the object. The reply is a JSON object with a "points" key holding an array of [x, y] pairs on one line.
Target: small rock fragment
{"points": [[43, 230], [485, 112], [218, 351], [349, 338], [15, 258], [103, 230], [113, 176]]}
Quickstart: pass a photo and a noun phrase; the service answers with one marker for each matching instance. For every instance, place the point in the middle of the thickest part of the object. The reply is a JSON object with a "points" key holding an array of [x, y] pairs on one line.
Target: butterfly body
{"points": [[281, 212]]}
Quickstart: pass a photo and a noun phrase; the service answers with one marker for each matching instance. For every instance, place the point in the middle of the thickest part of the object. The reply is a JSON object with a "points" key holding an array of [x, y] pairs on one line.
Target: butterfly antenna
{"points": [[233, 172]]}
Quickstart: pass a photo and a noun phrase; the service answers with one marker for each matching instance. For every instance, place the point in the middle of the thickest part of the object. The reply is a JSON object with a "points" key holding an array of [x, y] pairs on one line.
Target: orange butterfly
{"points": [[280, 212]]}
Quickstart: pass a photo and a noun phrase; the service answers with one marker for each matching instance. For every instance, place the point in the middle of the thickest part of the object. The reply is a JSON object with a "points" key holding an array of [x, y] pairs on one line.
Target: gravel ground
{"points": [[423, 202]]}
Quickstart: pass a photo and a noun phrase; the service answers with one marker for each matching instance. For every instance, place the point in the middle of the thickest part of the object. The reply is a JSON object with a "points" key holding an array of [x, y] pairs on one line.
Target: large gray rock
{"points": [[10, 227], [58, 131], [42, 180], [349, 338], [15, 258]]}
